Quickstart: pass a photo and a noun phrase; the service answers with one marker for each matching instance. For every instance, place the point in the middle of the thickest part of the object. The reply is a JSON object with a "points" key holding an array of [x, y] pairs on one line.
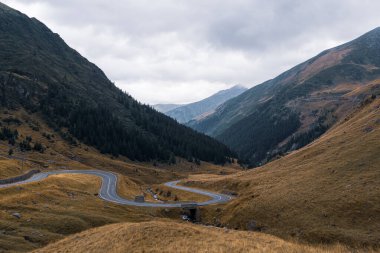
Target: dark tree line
{"points": [[129, 128], [256, 136], [6, 134], [301, 140]]}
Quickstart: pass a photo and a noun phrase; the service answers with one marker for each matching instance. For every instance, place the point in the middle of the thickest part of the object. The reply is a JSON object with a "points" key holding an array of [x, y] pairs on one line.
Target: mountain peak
{"points": [[238, 87], [188, 112]]}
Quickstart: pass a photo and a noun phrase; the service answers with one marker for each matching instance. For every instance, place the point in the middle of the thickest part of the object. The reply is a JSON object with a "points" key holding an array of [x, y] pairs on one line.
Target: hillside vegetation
{"points": [[41, 74], [328, 191], [291, 110]]}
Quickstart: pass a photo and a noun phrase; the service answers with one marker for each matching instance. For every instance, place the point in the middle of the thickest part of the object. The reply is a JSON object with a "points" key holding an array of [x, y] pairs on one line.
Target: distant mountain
{"points": [[39, 73], [186, 113], [296, 107], [165, 107]]}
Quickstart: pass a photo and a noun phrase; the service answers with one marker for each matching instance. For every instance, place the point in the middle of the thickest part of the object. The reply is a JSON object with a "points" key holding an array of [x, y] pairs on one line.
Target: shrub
{"points": [[39, 147]]}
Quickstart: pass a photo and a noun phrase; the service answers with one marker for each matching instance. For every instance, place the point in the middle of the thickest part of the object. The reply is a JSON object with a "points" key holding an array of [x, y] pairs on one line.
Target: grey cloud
{"points": [[184, 50]]}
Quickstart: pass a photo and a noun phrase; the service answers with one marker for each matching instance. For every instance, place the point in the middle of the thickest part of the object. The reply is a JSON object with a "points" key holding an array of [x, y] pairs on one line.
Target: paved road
{"points": [[108, 190]]}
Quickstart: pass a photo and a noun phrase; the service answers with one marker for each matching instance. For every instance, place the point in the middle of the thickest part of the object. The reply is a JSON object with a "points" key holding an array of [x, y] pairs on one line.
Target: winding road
{"points": [[108, 189]]}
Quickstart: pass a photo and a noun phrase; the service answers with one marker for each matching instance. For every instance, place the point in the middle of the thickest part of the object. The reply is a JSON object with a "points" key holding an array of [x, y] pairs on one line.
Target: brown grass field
{"points": [[327, 192], [169, 236]]}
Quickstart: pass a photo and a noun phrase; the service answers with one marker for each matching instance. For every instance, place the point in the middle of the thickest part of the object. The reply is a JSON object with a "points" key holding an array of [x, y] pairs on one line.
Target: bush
{"points": [[39, 147], [8, 134], [47, 136], [25, 144], [11, 120]]}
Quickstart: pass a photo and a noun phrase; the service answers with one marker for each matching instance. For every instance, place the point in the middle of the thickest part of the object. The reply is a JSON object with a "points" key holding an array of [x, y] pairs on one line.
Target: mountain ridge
{"points": [[165, 107], [318, 86]]}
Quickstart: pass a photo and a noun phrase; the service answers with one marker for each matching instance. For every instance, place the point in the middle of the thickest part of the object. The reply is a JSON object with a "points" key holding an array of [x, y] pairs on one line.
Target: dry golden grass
{"points": [[326, 192], [11, 168], [168, 236], [58, 206]]}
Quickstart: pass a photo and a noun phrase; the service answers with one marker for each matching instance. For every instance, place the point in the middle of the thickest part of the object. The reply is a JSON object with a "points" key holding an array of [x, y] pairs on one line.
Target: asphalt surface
{"points": [[108, 190]]}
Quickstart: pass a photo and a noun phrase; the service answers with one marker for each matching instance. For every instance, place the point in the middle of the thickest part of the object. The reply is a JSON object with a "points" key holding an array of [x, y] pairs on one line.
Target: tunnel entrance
{"points": [[192, 211]]}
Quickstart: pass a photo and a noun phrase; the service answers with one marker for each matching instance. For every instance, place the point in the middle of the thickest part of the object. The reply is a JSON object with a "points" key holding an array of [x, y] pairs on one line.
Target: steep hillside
{"points": [[299, 105], [328, 191], [167, 236], [194, 111], [41, 74]]}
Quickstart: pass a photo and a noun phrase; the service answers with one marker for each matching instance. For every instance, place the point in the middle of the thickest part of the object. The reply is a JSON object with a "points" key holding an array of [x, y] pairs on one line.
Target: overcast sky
{"points": [[179, 51]]}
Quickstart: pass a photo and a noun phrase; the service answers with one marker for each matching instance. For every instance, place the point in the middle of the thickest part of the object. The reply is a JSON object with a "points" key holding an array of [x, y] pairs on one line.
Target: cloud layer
{"points": [[179, 51]]}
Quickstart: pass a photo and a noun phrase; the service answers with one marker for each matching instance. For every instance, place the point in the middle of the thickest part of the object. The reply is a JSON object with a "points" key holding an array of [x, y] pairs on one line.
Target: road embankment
{"points": [[19, 178]]}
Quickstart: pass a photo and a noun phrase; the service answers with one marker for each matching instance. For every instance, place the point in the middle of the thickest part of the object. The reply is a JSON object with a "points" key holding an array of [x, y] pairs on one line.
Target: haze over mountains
{"points": [[200, 109], [296, 107]]}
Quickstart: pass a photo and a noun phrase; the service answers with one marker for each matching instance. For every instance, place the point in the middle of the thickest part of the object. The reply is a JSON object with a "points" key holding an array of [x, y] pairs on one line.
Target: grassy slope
{"points": [[11, 168], [328, 191], [56, 207], [168, 236]]}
